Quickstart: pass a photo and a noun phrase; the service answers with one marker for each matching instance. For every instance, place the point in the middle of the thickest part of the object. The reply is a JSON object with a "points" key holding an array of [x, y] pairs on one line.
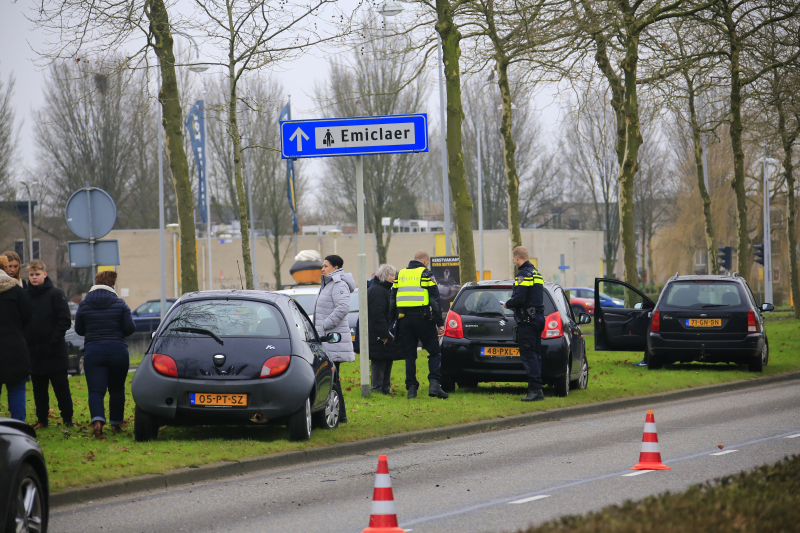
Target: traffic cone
{"points": [[383, 518], [650, 458]]}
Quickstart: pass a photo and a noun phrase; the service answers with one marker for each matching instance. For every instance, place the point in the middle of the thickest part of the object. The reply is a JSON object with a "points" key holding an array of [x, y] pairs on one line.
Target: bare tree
{"points": [[376, 81], [591, 154], [9, 134]]}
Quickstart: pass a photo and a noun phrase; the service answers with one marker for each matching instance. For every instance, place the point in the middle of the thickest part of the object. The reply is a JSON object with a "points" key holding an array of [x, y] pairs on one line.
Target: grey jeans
{"points": [[381, 376]]}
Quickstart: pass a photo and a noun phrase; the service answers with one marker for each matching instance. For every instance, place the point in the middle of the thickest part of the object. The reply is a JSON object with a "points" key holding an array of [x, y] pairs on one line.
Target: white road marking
{"points": [[531, 499], [637, 473], [723, 453], [792, 436]]}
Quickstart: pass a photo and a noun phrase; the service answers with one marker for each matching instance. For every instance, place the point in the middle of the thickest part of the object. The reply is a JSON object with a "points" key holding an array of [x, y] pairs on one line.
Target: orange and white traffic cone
{"points": [[383, 518], [650, 458]]}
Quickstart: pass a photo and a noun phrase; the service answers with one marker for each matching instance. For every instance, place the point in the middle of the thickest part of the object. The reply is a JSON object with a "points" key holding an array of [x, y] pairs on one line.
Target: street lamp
{"points": [[335, 234], [30, 219], [767, 227], [390, 9]]}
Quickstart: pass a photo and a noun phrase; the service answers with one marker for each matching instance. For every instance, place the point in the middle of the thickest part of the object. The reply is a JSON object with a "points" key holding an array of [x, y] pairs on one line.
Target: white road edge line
{"points": [[724, 453], [638, 473], [532, 498], [792, 436]]}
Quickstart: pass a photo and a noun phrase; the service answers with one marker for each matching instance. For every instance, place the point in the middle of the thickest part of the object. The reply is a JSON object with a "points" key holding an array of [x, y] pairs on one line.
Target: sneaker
{"points": [[641, 363], [534, 395], [435, 390]]}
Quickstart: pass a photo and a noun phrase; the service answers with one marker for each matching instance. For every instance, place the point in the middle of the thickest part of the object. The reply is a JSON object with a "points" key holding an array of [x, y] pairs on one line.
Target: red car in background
{"points": [[582, 300]]}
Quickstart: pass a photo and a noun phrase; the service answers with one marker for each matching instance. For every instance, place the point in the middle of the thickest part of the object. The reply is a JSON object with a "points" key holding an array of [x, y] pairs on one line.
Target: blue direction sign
{"points": [[392, 134]]}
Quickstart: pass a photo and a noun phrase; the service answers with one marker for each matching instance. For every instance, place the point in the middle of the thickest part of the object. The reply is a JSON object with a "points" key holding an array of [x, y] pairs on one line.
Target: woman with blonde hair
{"points": [[14, 269], [15, 364]]}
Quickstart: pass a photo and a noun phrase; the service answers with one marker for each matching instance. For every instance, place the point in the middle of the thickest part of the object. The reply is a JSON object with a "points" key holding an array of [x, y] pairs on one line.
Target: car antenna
{"points": [[240, 274]]}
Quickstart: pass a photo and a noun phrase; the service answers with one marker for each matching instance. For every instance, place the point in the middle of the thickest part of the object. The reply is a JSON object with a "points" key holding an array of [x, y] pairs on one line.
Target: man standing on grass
{"points": [[46, 345], [527, 301]]}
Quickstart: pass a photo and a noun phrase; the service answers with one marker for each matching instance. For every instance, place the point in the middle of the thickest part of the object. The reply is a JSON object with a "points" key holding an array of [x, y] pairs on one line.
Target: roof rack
{"points": [[735, 274], [676, 275]]}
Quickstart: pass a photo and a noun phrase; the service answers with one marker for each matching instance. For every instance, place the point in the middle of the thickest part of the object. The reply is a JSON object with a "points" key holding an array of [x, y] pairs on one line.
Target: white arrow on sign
{"points": [[302, 135]]}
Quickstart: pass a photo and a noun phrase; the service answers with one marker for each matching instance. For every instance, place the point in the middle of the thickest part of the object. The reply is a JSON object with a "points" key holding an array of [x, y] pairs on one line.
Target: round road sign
{"points": [[91, 204]]}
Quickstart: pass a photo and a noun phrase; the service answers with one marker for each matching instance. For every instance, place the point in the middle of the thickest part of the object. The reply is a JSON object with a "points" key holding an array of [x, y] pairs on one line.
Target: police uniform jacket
{"points": [[528, 291], [428, 282]]}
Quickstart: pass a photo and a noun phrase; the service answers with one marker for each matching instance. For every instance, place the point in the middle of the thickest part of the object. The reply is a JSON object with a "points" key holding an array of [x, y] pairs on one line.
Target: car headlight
{"points": [[618, 302]]}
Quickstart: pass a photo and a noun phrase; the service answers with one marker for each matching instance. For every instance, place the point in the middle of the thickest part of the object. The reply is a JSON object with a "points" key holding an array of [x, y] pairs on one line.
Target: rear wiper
{"points": [[201, 331], [490, 313], [714, 305]]}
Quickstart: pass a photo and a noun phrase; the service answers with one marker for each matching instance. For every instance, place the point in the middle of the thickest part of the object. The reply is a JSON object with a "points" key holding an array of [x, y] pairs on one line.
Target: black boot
{"points": [[435, 390], [412, 392], [534, 395]]}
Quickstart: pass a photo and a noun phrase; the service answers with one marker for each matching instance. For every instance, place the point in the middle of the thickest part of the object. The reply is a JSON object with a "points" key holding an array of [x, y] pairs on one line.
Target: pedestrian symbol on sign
{"points": [[328, 139]]}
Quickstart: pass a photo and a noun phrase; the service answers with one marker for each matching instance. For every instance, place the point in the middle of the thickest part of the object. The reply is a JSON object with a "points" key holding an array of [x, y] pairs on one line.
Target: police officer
{"points": [[527, 301], [420, 320]]}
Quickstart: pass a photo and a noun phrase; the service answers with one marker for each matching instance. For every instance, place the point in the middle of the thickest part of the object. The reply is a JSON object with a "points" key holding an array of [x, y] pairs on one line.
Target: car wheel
{"points": [[145, 426], [467, 383], [28, 510], [448, 383], [328, 418], [300, 423], [562, 386], [758, 363], [583, 378]]}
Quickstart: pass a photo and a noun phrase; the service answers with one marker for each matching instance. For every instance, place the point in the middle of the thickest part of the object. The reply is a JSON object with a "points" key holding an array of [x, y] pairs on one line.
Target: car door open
{"points": [[622, 329]]}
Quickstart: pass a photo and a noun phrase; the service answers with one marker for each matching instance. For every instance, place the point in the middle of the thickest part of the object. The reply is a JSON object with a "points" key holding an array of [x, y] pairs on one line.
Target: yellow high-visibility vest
{"points": [[412, 287], [529, 281]]}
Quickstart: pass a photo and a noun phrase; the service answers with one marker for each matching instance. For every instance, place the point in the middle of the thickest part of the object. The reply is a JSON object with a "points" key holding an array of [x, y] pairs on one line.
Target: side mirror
{"points": [[153, 335], [640, 305], [583, 318], [333, 338], [766, 308]]}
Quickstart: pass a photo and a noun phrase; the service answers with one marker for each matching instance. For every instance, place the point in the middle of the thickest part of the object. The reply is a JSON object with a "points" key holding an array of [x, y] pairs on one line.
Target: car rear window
{"points": [[489, 301], [228, 318], [703, 294]]}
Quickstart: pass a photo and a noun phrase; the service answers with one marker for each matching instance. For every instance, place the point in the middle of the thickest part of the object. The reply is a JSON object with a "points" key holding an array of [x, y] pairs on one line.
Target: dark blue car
{"points": [[147, 316], [582, 300]]}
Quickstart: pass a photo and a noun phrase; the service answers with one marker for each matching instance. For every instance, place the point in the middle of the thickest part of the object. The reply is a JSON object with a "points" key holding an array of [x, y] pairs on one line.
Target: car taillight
{"points": [[751, 322], [553, 327], [655, 323], [275, 366], [453, 326], [165, 365]]}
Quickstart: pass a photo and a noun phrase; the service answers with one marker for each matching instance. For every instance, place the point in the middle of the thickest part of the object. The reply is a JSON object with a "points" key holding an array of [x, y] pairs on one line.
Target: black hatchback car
{"points": [[709, 319], [236, 357], [24, 488], [478, 343]]}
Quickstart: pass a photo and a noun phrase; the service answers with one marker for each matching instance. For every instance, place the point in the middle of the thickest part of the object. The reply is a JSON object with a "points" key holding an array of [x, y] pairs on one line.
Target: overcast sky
{"points": [[19, 38]]}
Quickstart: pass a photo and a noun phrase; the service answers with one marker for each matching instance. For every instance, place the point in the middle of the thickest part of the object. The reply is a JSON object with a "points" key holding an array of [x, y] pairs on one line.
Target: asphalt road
{"points": [[496, 481]]}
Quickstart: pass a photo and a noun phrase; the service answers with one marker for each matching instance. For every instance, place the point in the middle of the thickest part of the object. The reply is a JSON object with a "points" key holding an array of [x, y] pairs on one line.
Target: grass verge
{"points": [[75, 458], [764, 499]]}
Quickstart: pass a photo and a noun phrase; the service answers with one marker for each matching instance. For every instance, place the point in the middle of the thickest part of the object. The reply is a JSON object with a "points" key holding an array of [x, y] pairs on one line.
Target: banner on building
{"points": [[195, 123]]}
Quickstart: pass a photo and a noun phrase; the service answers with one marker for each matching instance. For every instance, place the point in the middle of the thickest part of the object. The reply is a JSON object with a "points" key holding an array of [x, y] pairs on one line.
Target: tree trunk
{"points": [[787, 142], [629, 166], [743, 258], [381, 245], [509, 151], [713, 266], [451, 52], [241, 196], [172, 121], [276, 257]]}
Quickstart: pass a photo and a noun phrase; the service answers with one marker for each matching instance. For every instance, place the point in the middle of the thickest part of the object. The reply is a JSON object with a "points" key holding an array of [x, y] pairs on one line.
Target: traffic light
{"points": [[725, 257], [759, 253]]}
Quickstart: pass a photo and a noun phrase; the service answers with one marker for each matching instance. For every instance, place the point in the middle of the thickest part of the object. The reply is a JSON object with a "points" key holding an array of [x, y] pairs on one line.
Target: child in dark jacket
{"points": [[104, 320]]}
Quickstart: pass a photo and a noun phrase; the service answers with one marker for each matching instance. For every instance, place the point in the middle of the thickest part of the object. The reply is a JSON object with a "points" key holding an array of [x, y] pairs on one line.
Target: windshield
{"points": [[703, 294], [228, 318]]}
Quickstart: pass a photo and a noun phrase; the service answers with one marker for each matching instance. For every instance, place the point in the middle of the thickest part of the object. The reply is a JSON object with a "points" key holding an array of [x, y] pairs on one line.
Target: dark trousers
{"points": [[529, 337], [16, 399], [106, 367], [41, 395], [381, 375], [414, 329], [342, 410]]}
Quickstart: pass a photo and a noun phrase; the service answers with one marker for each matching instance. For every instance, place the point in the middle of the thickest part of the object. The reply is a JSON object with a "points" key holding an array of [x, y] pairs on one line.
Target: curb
{"points": [[181, 476]]}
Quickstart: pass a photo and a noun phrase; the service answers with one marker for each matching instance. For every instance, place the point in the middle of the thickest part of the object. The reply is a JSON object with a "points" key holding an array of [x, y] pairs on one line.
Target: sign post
{"points": [[356, 137], [91, 214]]}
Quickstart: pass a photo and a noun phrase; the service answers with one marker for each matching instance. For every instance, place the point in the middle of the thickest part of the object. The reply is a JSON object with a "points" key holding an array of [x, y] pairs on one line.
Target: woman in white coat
{"points": [[330, 314]]}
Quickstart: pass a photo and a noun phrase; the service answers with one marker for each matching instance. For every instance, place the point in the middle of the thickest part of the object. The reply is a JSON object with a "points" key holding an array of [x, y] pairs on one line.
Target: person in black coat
{"points": [[46, 345], [383, 348], [15, 365], [104, 320]]}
